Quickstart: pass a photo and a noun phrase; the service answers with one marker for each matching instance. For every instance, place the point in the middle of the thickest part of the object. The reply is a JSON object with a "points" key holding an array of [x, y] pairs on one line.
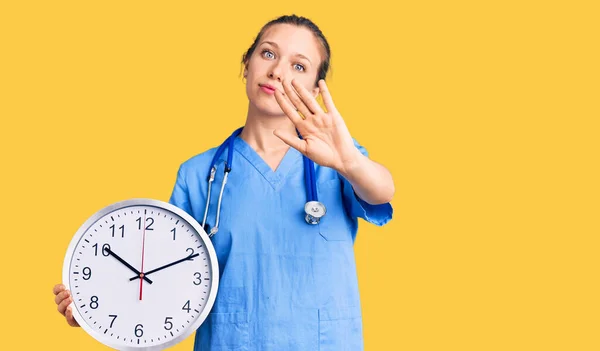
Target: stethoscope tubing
{"points": [[309, 178]]}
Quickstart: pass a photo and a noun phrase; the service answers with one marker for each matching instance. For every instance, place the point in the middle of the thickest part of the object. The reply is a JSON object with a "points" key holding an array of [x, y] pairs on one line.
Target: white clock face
{"points": [[143, 275]]}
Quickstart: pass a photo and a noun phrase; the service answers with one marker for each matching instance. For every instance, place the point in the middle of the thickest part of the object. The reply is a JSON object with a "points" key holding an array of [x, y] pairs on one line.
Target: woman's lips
{"points": [[267, 88]]}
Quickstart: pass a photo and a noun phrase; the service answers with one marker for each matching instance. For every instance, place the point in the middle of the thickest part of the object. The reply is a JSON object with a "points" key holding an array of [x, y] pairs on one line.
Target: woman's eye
{"points": [[268, 54], [299, 67]]}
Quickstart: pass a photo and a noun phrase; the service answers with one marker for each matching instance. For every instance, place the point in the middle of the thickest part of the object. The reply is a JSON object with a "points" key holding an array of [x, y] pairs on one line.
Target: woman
{"points": [[285, 284]]}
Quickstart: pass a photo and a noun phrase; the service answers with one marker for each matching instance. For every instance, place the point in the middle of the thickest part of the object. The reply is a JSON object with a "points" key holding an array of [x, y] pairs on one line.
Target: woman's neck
{"points": [[258, 133]]}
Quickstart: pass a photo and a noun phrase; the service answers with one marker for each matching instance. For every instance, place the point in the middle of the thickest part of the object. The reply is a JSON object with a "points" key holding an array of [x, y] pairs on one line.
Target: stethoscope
{"points": [[313, 209]]}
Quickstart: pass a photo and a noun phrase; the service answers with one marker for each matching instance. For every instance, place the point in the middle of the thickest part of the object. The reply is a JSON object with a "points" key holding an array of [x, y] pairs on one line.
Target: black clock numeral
{"points": [[168, 322], [190, 249], [148, 227], [173, 231], [87, 273], [151, 223], [139, 331], [122, 230], [104, 247], [186, 307], [198, 278], [113, 316], [94, 302]]}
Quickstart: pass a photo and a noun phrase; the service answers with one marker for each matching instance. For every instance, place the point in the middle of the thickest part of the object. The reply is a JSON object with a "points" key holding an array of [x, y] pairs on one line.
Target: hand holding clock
{"points": [[63, 299]]}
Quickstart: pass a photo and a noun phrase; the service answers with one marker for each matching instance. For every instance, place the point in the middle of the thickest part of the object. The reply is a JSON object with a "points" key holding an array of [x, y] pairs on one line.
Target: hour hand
{"points": [[190, 257], [109, 251]]}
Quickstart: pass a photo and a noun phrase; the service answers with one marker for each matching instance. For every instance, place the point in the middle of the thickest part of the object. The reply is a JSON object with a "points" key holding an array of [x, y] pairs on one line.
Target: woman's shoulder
{"points": [[199, 161]]}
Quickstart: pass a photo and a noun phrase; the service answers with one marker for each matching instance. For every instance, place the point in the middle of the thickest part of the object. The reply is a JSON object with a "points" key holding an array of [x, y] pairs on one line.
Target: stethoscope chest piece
{"points": [[314, 210]]}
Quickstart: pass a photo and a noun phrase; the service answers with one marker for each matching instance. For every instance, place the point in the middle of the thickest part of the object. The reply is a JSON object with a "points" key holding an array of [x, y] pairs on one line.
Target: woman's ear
{"points": [[245, 69]]}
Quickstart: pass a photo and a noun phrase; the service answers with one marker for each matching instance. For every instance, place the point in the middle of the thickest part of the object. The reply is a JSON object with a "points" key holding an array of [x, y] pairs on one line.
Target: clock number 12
{"points": [[149, 226]]}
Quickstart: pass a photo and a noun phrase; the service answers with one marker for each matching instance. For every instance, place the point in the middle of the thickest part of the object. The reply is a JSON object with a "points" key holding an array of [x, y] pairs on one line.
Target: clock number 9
{"points": [[139, 331], [87, 273], [104, 247]]}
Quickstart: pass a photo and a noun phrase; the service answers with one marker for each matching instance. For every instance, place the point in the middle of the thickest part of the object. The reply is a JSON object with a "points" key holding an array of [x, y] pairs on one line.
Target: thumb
{"points": [[292, 140]]}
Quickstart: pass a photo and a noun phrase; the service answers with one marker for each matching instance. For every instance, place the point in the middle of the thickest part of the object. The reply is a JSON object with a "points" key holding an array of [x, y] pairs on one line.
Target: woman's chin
{"points": [[268, 110]]}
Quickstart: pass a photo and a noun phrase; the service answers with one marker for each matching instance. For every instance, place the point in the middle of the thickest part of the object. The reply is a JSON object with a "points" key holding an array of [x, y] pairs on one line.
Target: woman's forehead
{"points": [[293, 40]]}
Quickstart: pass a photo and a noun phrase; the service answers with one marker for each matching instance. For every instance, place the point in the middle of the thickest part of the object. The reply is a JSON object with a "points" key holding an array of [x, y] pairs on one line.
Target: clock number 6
{"points": [[139, 331]]}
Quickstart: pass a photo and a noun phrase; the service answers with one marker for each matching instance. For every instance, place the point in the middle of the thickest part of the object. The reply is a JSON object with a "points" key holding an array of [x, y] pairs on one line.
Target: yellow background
{"points": [[486, 112]]}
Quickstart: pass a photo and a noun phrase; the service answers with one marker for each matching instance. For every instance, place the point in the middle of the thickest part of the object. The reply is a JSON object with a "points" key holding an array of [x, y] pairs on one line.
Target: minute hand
{"points": [[190, 257]]}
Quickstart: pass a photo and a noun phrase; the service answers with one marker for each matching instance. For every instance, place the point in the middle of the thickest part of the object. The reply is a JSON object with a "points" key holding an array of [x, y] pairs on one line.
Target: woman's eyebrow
{"points": [[277, 46]]}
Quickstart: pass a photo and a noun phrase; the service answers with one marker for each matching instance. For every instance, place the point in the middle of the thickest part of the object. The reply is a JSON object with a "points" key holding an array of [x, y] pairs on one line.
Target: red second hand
{"points": [[143, 244]]}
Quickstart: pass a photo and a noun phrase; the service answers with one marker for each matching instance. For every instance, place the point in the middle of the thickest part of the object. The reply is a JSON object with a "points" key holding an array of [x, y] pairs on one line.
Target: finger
{"points": [[306, 97], [327, 100], [70, 319], [292, 94], [62, 307], [287, 107], [291, 140], [58, 288], [61, 296]]}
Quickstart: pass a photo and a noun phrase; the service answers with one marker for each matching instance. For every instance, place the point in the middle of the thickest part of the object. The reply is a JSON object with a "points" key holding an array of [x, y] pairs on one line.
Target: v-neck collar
{"points": [[275, 178]]}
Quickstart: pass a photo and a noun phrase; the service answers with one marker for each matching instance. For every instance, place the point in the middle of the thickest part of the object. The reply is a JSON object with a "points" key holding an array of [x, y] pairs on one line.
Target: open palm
{"points": [[325, 137]]}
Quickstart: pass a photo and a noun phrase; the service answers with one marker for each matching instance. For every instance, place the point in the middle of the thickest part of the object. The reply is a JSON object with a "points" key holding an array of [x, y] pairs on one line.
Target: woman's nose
{"points": [[275, 75], [276, 72], [272, 75]]}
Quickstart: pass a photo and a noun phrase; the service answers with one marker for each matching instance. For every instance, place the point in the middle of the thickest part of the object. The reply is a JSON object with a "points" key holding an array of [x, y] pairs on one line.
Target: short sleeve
{"points": [[357, 208], [180, 196]]}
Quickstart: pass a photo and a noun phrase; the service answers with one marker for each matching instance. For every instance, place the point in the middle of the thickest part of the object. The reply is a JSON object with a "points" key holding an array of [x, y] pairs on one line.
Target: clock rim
{"points": [[214, 268]]}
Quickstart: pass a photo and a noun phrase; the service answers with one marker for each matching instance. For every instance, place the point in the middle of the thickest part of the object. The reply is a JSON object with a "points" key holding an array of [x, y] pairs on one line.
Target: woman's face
{"points": [[284, 52]]}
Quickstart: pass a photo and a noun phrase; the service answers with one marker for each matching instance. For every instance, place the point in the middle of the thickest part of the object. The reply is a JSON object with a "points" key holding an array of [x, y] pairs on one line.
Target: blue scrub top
{"points": [[284, 284]]}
